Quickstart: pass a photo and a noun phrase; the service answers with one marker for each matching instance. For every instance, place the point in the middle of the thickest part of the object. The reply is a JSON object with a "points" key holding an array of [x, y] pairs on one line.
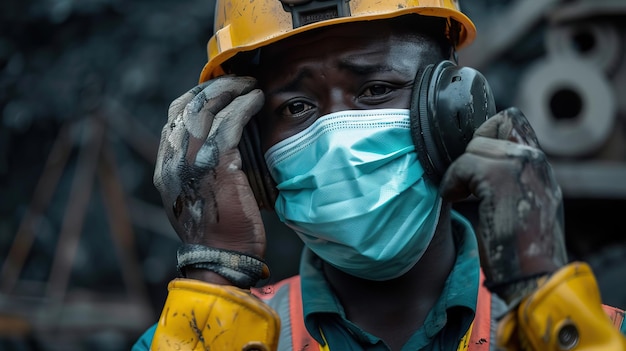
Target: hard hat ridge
{"points": [[244, 25]]}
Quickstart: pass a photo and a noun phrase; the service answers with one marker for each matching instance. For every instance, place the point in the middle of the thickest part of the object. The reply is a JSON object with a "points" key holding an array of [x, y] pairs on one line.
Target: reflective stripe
{"points": [[286, 298], [300, 337], [616, 315], [480, 337], [279, 297]]}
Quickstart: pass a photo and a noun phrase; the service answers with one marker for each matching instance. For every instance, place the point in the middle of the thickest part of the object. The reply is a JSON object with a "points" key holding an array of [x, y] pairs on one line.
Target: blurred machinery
{"points": [[53, 311], [86, 251], [567, 78], [564, 64]]}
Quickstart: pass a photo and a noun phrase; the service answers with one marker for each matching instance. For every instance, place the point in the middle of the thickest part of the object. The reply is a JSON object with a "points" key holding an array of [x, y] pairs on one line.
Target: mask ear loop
{"points": [[255, 168]]}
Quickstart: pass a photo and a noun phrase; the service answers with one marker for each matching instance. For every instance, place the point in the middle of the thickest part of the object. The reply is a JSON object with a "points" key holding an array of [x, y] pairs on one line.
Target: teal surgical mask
{"points": [[351, 186]]}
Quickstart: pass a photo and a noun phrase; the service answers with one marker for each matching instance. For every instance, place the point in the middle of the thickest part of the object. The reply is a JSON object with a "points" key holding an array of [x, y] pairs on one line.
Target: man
{"points": [[339, 100]]}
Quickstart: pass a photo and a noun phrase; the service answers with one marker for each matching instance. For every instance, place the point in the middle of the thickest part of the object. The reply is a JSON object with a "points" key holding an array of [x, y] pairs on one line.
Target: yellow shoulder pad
{"points": [[564, 313], [203, 316]]}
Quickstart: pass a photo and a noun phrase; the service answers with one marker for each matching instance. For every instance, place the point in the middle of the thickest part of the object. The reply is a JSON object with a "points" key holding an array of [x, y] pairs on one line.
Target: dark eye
{"points": [[376, 90], [295, 109]]}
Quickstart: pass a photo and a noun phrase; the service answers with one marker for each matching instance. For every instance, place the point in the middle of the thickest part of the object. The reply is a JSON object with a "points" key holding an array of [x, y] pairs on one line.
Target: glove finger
{"points": [[198, 114], [459, 181], [519, 206], [187, 128], [486, 161], [512, 180], [177, 106], [511, 125], [171, 135], [495, 148], [227, 128], [189, 120], [528, 166]]}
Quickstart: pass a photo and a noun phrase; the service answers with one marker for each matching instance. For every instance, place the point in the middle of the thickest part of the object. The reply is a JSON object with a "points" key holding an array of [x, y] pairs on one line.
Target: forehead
{"points": [[361, 41], [365, 31]]}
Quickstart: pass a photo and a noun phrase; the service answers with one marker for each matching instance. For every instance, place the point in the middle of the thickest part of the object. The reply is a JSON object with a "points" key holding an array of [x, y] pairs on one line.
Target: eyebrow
{"points": [[359, 68], [294, 83], [344, 64]]}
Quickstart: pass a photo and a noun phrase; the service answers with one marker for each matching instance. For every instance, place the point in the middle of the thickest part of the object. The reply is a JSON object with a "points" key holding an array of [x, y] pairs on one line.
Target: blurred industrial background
{"points": [[85, 249]]}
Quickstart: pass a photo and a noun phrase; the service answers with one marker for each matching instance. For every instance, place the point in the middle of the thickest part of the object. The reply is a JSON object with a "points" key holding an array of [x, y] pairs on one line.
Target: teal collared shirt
{"points": [[444, 326]]}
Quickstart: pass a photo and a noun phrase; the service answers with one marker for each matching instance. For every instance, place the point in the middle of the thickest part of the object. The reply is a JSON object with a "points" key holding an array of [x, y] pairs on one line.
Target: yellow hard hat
{"points": [[244, 25]]}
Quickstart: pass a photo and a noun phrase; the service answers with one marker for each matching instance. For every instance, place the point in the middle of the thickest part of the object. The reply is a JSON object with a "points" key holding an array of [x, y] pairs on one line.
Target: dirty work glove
{"points": [[520, 229], [198, 173]]}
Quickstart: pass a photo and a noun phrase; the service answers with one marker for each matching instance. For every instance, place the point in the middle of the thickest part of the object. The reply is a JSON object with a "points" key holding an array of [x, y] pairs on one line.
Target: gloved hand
{"points": [[520, 229], [198, 171]]}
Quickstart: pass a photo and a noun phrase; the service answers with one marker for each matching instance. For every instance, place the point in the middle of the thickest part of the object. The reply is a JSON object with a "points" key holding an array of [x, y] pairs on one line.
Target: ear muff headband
{"points": [[449, 103]]}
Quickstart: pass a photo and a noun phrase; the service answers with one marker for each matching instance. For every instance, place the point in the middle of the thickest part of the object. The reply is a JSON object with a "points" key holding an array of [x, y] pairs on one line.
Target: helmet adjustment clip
{"points": [[305, 12]]}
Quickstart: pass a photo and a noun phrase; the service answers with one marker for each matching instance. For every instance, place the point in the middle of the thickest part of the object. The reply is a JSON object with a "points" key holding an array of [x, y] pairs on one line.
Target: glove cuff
{"points": [[240, 269], [202, 316]]}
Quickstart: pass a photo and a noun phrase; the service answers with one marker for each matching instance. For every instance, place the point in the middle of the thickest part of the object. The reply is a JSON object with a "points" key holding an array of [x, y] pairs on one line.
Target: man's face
{"points": [[355, 66]]}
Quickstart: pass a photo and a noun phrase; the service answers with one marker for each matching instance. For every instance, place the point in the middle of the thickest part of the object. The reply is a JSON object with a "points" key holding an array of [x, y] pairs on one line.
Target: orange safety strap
{"points": [[300, 338], [480, 330], [615, 314]]}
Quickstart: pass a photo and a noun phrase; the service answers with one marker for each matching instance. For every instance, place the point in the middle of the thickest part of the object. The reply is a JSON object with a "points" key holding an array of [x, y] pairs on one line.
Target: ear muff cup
{"points": [[449, 103]]}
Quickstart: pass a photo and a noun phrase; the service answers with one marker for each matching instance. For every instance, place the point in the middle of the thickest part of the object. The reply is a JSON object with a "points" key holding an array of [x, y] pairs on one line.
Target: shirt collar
{"points": [[460, 289]]}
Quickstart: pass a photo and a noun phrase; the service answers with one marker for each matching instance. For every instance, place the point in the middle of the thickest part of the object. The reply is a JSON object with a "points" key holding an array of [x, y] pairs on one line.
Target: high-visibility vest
{"points": [[294, 335], [286, 298]]}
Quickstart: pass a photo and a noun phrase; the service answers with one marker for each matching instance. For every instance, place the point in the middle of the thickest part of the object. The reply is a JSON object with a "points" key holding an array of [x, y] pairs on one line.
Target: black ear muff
{"points": [[449, 102], [253, 164]]}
